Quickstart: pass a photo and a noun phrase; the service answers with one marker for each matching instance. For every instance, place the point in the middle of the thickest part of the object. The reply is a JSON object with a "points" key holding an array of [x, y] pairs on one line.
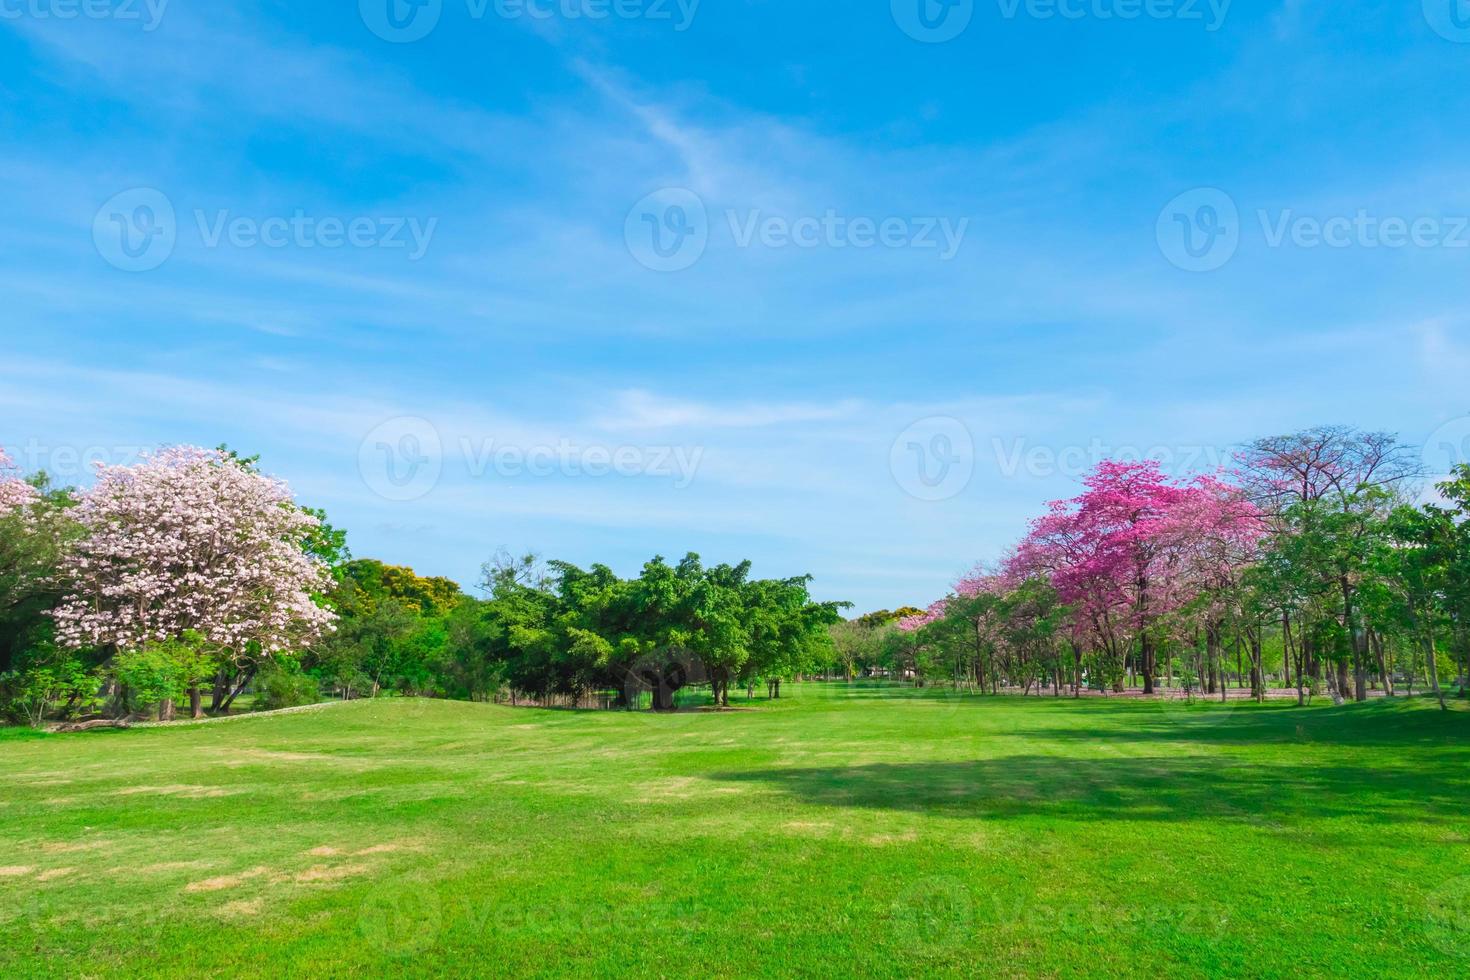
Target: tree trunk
{"points": [[1350, 623], [1289, 650], [196, 702], [1434, 671], [1146, 663], [221, 688], [1258, 676], [1383, 669], [244, 680]]}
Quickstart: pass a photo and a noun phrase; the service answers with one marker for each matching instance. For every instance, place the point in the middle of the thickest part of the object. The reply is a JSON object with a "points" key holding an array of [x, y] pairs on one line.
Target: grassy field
{"points": [[840, 831]]}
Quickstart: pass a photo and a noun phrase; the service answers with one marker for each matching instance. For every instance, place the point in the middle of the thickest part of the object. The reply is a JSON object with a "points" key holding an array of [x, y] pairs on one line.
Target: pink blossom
{"points": [[14, 492], [189, 539]]}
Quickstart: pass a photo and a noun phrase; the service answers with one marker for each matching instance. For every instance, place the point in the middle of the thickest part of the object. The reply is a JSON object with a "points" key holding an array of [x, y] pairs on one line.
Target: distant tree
{"points": [[392, 630], [858, 643]]}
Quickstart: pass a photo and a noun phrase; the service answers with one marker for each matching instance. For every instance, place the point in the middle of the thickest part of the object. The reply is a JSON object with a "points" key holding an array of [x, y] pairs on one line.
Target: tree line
{"points": [[192, 578], [1308, 564]]}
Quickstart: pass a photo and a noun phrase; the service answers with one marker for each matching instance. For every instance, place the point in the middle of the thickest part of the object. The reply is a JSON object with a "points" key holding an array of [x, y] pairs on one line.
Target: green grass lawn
{"points": [[841, 831]]}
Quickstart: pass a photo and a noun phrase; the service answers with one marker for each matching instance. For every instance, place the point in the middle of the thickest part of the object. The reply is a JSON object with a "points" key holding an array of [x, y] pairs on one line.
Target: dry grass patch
{"points": [[181, 790], [241, 909], [72, 847], [222, 882], [329, 873]]}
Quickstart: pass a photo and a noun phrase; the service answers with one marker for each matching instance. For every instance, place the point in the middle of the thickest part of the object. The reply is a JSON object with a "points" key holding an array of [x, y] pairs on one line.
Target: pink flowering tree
{"points": [[964, 635], [1102, 552], [190, 542], [15, 493], [1209, 542], [1140, 557]]}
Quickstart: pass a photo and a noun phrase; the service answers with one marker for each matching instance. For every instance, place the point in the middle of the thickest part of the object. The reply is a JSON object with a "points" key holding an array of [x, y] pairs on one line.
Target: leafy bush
{"points": [[30, 694], [285, 686], [149, 677]]}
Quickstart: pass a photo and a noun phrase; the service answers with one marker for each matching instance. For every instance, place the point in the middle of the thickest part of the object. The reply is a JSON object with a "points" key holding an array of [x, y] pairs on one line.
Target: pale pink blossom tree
{"points": [[14, 492], [191, 540]]}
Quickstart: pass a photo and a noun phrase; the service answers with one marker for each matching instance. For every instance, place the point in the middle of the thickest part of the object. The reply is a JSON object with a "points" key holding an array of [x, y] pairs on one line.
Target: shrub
{"points": [[30, 694], [150, 678], [285, 686]]}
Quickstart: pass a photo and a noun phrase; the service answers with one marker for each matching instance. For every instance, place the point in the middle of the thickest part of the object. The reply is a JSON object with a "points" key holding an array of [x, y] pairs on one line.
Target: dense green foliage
{"points": [[560, 631]]}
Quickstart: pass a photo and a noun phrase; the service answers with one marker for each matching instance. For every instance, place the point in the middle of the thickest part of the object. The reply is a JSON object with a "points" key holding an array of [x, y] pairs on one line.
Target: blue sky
{"points": [[910, 280]]}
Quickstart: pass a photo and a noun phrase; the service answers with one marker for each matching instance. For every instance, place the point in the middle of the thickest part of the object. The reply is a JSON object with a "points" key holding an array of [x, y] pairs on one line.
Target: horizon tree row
{"points": [[191, 575], [1309, 556]]}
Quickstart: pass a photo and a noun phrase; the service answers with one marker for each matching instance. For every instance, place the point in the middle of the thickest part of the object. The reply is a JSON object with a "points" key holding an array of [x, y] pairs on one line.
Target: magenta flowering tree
{"points": [[1104, 553], [191, 541], [1208, 543]]}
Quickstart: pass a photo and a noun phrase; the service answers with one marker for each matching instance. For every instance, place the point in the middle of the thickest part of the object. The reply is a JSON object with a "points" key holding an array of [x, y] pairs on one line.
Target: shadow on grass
{"points": [[1400, 722], [1142, 789]]}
